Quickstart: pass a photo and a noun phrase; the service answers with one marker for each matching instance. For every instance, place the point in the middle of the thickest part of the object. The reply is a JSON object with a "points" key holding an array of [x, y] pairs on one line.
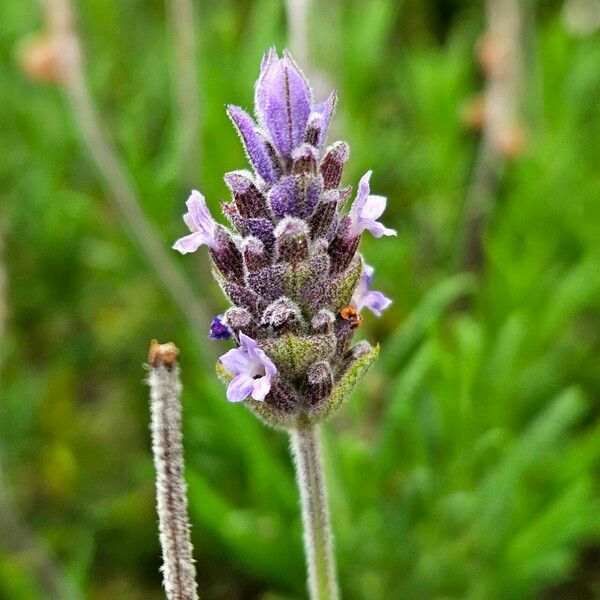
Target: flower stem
{"points": [[318, 546], [179, 572]]}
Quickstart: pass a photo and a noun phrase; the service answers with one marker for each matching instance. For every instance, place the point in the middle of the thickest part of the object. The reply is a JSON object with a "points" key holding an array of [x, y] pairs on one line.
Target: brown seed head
{"points": [[162, 354]]}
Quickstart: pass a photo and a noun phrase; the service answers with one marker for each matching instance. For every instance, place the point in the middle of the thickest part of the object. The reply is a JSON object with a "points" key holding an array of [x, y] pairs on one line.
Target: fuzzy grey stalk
{"points": [[318, 546], [179, 572]]}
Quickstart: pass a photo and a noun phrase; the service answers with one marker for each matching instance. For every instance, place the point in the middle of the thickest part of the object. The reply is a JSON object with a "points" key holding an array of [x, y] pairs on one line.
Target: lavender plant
{"points": [[290, 267]]}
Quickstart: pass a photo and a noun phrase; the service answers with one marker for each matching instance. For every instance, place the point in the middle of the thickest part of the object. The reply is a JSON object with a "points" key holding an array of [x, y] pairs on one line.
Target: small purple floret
{"points": [[363, 296], [283, 101], [253, 371], [367, 209], [200, 223], [219, 330]]}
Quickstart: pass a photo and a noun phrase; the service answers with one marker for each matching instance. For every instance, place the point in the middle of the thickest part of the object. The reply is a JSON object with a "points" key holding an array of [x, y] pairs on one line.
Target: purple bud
{"points": [[292, 240], [324, 215], [282, 316], [255, 257], [313, 193], [319, 120], [249, 200], [243, 297], [260, 228], [323, 322], [333, 164], [344, 331], [239, 319], [343, 247], [282, 100], [304, 159], [284, 198], [226, 256], [219, 330], [255, 145], [319, 382], [268, 282], [282, 398]]}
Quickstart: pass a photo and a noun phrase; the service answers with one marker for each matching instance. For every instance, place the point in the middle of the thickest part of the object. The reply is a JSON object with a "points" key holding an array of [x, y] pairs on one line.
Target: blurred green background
{"points": [[467, 464]]}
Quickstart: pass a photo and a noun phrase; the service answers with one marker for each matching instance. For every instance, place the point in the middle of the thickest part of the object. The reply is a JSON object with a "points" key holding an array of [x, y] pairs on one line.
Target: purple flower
{"points": [[283, 101], [367, 209], [219, 330], [253, 369], [200, 223], [364, 296]]}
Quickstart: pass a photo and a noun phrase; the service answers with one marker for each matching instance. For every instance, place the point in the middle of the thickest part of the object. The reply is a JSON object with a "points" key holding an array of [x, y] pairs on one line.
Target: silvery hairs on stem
{"points": [[289, 263], [179, 572]]}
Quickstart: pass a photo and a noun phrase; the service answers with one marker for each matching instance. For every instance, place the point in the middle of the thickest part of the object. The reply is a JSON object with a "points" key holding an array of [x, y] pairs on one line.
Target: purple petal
{"points": [[198, 217], [236, 360], [367, 274], [364, 296], [270, 368], [248, 343], [239, 388], [366, 209], [189, 243], [373, 207], [376, 228], [255, 146], [261, 387], [319, 120], [282, 100], [362, 193], [376, 302], [200, 223]]}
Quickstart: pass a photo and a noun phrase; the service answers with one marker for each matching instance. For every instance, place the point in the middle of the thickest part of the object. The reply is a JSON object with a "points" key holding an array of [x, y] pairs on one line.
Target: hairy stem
{"points": [[318, 545], [60, 22], [179, 572], [183, 34]]}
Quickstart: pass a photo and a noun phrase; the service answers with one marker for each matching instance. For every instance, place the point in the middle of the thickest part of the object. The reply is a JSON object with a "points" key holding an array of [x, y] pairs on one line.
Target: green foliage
{"points": [[466, 464]]}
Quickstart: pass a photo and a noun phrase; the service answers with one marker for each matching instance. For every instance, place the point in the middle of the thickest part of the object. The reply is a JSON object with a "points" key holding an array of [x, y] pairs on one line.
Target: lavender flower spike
{"points": [[363, 296], [367, 209], [290, 267], [200, 223], [283, 101], [253, 369]]}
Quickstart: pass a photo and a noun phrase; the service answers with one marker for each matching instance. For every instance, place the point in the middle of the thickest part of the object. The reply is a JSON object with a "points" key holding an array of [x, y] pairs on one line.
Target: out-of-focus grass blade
{"points": [[431, 308]]}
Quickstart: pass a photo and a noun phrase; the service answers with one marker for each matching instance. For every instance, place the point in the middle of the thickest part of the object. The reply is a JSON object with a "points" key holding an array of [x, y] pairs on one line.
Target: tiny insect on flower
{"points": [[351, 314]]}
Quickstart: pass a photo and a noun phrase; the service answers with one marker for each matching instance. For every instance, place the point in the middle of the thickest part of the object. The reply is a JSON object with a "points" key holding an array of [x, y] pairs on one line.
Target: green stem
{"points": [[318, 547]]}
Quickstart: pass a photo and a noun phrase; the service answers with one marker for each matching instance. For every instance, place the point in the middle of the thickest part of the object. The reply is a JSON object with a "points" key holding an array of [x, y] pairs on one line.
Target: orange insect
{"points": [[351, 314]]}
